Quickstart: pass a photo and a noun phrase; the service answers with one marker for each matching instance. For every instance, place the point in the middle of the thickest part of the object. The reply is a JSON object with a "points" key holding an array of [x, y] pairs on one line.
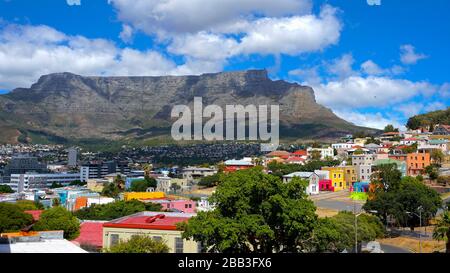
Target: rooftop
{"points": [[150, 220], [91, 233], [44, 246]]}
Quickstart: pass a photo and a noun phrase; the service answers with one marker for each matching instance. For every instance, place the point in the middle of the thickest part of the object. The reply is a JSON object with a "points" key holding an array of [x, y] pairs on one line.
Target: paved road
{"points": [[393, 249]]}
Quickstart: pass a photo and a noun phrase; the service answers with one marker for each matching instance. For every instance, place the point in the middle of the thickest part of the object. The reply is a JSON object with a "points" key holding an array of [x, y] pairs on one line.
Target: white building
{"points": [[363, 164], [342, 146], [324, 152], [313, 178], [31, 181], [192, 173]]}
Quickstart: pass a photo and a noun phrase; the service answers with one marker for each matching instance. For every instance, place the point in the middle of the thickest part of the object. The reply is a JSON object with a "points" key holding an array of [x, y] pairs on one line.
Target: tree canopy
{"points": [[139, 244], [396, 196], [115, 210], [58, 218], [5, 189], [143, 185], [442, 230], [12, 218], [255, 212]]}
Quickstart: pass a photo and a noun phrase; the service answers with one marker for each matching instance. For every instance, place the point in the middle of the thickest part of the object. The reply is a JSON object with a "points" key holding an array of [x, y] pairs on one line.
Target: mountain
{"points": [[430, 119], [64, 107]]}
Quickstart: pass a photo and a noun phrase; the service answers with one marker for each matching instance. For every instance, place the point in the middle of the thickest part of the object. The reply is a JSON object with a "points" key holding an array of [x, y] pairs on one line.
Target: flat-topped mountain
{"points": [[64, 107]]}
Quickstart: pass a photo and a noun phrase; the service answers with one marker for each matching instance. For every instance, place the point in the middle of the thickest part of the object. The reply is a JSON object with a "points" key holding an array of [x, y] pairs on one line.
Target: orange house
{"points": [[417, 162]]}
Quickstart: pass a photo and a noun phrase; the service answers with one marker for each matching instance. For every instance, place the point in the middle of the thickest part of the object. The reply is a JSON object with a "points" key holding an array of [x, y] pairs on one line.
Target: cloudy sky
{"points": [[372, 62]]}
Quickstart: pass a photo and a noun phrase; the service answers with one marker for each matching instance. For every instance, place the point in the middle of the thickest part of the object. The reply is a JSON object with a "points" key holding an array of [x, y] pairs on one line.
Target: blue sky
{"points": [[371, 64]]}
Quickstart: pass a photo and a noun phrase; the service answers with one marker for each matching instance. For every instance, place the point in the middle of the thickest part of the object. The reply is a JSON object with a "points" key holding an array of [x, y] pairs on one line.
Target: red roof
{"points": [[278, 154], [301, 152], [295, 158], [35, 213], [91, 233], [159, 222]]}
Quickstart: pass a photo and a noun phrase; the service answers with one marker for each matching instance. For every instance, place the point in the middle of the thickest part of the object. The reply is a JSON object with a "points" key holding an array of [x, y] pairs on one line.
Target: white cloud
{"points": [[371, 120], [27, 52], [342, 67], [409, 56], [225, 29], [73, 2], [181, 16], [126, 35], [359, 92]]}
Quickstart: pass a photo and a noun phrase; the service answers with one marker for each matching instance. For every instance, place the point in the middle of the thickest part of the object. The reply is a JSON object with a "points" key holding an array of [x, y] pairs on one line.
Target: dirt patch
{"points": [[324, 212], [413, 244]]}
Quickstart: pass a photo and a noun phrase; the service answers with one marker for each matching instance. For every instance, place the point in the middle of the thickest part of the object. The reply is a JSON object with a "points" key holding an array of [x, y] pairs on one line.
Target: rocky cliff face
{"points": [[68, 106]]}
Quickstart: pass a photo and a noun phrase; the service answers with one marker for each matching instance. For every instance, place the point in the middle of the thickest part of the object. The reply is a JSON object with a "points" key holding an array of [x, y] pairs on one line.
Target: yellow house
{"points": [[337, 177], [143, 195], [161, 226], [360, 141]]}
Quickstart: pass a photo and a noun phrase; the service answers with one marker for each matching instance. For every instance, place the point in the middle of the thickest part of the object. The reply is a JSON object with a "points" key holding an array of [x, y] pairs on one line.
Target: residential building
{"points": [[324, 152], [236, 165], [193, 173], [179, 205], [36, 181], [313, 179], [350, 174], [443, 130], [161, 226], [37, 242], [143, 195], [337, 177], [435, 144], [417, 162], [363, 165], [401, 165], [343, 146], [97, 185]]}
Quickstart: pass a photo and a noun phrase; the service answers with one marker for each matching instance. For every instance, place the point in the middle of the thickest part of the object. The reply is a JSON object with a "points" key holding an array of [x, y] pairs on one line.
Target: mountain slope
{"points": [[64, 107]]}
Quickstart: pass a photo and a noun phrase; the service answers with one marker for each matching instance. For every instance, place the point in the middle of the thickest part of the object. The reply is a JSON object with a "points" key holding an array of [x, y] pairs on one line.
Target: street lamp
{"points": [[356, 224], [420, 224]]}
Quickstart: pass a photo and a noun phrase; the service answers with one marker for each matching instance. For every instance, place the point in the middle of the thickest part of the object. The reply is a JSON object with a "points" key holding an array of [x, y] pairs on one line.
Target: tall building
{"points": [[363, 165], [417, 162], [72, 157], [100, 169], [38, 181], [22, 164]]}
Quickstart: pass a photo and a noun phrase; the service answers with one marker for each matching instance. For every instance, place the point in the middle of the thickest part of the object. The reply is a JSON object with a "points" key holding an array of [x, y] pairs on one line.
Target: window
{"points": [[114, 239], [185, 206], [179, 245], [340, 184], [157, 238]]}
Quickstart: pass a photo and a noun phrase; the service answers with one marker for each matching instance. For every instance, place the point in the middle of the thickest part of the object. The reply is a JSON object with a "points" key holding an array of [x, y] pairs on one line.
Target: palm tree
{"points": [[442, 230]]}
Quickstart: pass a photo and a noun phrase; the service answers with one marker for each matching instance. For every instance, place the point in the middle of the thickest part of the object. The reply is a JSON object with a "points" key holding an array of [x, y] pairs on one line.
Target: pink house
{"points": [[186, 206], [326, 185]]}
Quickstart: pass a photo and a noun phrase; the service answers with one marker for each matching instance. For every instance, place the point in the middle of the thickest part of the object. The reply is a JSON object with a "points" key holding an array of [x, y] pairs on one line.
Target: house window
{"points": [[340, 184], [113, 239], [185, 206], [157, 238], [179, 245]]}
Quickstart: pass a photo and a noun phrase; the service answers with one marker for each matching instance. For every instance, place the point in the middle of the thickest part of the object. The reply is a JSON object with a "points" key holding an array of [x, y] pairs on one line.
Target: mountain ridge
{"points": [[69, 106]]}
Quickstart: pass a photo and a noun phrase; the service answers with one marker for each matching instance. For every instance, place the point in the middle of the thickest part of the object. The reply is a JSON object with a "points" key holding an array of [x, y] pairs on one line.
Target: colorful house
{"points": [[326, 185], [161, 226], [401, 165], [236, 165], [143, 195], [360, 187], [337, 176], [417, 162], [181, 205]]}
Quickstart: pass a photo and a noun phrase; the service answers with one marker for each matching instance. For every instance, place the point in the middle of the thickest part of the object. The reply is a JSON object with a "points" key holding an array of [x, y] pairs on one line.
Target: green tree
{"points": [[255, 212], [58, 218], [437, 156], [5, 189], [142, 185], [442, 230], [12, 218], [432, 171], [210, 181], [56, 185], [390, 128], [115, 210], [316, 155], [29, 205], [139, 244], [111, 190], [119, 182], [407, 196]]}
